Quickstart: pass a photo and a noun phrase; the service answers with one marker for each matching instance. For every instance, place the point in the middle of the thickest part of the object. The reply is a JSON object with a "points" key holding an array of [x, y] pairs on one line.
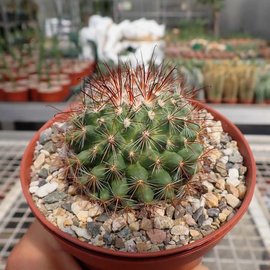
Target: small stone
{"points": [[67, 206], [34, 183], [227, 151], [80, 232], [180, 230], [221, 168], [82, 216], [39, 161], [189, 220], [45, 135], [143, 247], [135, 226], [179, 211], [154, 248], [46, 189], [207, 222], [50, 147], [233, 190], [118, 224], [95, 210], [71, 190], [33, 189], [222, 217], [130, 217], [163, 222], [53, 169], [201, 220], [233, 173], [98, 241], [209, 186], [195, 203], [78, 206], [198, 213], [233, 181], [107, 225], [224, 159], [146, 224], [195, 234], [125, 233], [130, 245], [55, 196], [242, 170], [213, 212], [156, 236], [119, 243], [170, 211], [93, 228], [242, 189], [211, 200], [170, 247], [107, 238], [220, 184], [52, 206], [232, 200], [159, 211], [222, 204], [102, 218], [236, 157], [43, 173]]}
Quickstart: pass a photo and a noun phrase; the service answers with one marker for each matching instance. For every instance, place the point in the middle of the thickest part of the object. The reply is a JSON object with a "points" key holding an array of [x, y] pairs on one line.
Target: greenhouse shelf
{"points": [[40, 112], [247, 247]]}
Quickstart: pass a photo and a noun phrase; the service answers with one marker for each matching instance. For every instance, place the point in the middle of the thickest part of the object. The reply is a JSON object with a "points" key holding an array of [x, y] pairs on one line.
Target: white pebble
{"points": [[81, 232], [233, 181], [227, 152], [46, 189], [233, 173], [34, 183], [33, 189]]}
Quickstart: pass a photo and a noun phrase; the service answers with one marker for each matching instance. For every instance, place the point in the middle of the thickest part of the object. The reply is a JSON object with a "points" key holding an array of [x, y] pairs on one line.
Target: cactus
{"points": [[230, 88], [135, 139]]}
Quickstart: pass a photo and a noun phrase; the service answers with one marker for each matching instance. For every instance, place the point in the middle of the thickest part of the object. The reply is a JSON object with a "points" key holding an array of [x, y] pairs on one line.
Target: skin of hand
{"points": [[38, 250]]}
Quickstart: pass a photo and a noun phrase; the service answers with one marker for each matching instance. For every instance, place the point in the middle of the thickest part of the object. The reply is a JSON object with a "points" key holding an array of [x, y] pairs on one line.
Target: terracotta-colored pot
{"points": [[181, 258], [18, 93], [50, 92], [229, 101]]}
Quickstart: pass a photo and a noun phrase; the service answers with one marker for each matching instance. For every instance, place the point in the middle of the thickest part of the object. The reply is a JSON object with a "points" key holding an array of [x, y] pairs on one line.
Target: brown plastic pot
{"points": [[182, 258]]}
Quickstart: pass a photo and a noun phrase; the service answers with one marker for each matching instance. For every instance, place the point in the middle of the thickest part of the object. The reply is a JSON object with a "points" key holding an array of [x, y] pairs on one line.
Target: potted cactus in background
{"points": [[138, 174]]}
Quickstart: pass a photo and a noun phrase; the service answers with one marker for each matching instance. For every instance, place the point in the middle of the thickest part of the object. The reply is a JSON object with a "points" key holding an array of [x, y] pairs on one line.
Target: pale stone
{"points": [[163, 222], [195, 233], [118, 224], [95, 210], [46, 189], [33, 189], [233, 181], [232, 200], [39, 161], [233, 190], [81, 232], [180, 230], [82, 216]]}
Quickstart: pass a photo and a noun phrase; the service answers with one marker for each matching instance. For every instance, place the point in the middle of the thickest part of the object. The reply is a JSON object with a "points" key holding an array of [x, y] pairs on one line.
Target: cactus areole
{"points": [[135, 138]]}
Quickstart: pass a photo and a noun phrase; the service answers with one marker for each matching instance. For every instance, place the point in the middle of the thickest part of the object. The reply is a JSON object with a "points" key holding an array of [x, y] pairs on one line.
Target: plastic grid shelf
{"points": [[246, 247]]}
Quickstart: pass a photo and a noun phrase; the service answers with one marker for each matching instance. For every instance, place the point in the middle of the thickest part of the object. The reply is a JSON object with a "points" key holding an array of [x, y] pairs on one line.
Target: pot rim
{"points": [[25, 175]]}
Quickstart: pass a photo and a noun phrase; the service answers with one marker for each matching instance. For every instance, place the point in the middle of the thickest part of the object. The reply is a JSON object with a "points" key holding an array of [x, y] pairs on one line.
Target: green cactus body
{"points": [[135, 145]]}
